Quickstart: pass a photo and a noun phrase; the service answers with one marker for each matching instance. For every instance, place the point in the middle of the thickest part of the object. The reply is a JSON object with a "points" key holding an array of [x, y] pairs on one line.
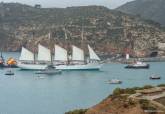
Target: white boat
{"points": [[49, 70], [9, 72], [114, 81], [155, 77], [138, 65], [61, 59]]}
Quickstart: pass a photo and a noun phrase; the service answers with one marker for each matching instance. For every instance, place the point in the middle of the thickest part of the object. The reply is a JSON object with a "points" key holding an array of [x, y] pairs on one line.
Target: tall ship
{"points": [[61, 59]]}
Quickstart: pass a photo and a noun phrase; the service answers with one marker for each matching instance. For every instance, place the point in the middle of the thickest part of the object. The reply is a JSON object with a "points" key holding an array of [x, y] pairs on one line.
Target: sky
{"points": [[67, 3]]}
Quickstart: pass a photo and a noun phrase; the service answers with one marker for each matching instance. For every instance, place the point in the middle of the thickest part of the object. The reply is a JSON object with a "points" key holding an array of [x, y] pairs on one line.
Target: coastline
{"points": [[137, 100], [131, 60]]}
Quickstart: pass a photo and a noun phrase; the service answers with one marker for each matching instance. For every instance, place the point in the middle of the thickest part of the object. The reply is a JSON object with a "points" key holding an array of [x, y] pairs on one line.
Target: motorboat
{"points": [[155, 77], [114, 81], [138, 65], [9, 72], [49, 70]]}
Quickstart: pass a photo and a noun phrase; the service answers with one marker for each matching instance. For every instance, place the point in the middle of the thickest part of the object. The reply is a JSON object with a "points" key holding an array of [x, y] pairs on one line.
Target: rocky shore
{"points": [[137, 100]]}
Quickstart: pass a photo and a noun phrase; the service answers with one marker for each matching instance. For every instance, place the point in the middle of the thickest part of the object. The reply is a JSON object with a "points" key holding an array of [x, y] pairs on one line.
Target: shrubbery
{"points": [[147, 87], [161, 85], [119, 91], [145, 105], [80, 111]]}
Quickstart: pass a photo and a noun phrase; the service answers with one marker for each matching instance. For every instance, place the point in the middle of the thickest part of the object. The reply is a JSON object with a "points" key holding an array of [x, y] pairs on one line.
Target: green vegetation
{"points": [[146, 105], [119, 91], [161, 85], [144, 87], [147, 87], [80, 111]]}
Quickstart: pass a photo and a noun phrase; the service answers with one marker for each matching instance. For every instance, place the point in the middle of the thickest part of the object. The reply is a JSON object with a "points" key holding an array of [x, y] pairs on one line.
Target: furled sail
{"points": [[43, 53], [127, 56], [60, 53], [26, 55], [92, 54], [77, 54]]}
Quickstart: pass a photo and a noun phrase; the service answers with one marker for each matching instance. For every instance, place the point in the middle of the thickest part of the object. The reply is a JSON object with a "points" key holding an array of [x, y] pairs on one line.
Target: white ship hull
{"points": [[90, 66], [31, 66]]}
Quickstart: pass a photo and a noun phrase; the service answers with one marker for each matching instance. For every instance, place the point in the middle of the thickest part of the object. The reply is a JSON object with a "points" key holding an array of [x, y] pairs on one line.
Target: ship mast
{"points": [[83, 44], [51, 42], [67, 42], [34, 45]]}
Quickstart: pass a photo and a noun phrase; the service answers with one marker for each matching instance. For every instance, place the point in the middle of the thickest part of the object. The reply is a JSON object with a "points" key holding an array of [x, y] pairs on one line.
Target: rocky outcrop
{"points": [[136, 100]]}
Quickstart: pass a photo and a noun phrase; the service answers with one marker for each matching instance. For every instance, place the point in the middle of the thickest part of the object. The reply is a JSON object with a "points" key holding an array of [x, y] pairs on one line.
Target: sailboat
{"points": [[61, 60], [27, 59]]}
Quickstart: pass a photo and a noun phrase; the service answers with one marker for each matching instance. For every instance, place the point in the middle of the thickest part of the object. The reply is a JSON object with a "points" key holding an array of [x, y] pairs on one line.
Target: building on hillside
{"points": [[37, 6], [161, 46]]}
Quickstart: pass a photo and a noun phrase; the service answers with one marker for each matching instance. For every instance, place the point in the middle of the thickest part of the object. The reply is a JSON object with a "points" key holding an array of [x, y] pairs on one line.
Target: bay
{"points": [[26, 93]]}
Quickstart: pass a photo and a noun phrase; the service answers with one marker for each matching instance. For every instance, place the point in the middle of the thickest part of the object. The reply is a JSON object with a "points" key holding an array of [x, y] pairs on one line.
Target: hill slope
{"points": [[148, 9], [105, 30]]}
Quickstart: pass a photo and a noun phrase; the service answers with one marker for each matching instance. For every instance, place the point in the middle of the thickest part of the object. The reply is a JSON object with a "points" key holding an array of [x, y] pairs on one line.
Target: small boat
{"points": [[114, 81], [40, 77], [49, 70], [155, 77], [9, 72], [138, 65]]}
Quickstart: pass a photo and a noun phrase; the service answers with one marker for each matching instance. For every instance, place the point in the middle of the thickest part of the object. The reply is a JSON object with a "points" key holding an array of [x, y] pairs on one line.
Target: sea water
{"points": [[30, 93]]}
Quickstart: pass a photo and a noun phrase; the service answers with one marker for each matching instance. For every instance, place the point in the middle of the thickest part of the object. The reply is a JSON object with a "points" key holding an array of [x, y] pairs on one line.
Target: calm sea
{"points": [[26, 93]]}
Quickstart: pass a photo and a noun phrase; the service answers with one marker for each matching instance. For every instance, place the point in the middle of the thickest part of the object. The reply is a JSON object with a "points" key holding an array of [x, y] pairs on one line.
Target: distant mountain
{"points": [[148, 9], [104, 29]]}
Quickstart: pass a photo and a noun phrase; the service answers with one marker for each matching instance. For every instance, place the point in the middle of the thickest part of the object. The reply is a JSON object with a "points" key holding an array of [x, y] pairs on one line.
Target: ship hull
{"points": [[138, 67], [79, 67], [32, 66], [60, 67]]}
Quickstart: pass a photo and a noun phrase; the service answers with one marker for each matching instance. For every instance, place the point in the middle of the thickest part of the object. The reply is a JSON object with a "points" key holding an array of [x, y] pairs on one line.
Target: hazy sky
{"points": [[66, 3]]}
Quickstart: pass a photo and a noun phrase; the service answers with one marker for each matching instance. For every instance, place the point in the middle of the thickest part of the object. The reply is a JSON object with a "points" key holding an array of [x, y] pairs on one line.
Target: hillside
{"points": [[148, 9], [104, 29]]}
